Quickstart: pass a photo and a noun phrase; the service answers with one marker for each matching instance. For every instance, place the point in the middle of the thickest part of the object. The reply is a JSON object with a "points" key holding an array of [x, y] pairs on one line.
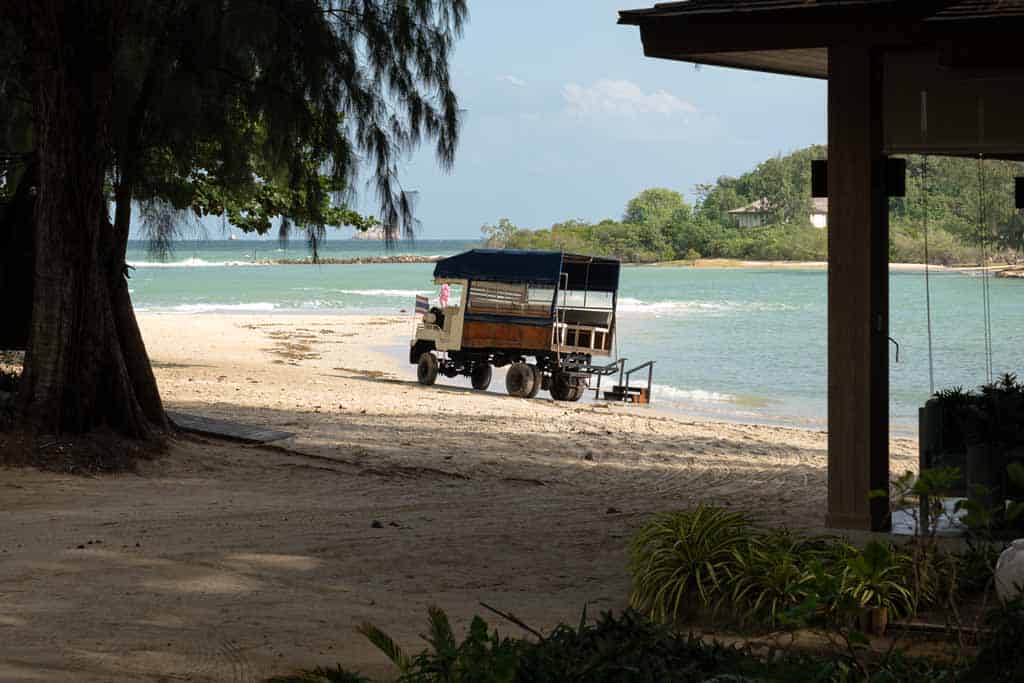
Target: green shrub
{"points": [[681, 555], [321, 675], [623, 648], [713, 558], [1001, 657], [875, 577], [482, 657], [769, 575]]}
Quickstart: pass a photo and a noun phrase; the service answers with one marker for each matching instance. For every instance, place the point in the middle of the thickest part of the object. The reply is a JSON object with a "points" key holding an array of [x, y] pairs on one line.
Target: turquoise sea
{"points": [[734, 344]]}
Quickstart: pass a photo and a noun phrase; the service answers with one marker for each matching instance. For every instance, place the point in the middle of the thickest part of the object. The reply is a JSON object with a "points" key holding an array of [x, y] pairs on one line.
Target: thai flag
{"points": [[422, 304]]}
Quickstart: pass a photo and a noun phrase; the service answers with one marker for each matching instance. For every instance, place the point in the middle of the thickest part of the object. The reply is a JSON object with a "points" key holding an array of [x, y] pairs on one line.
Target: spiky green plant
{"points": [[482, 657], [875, 577], [385, 644], [770, 574], [679, 557]]}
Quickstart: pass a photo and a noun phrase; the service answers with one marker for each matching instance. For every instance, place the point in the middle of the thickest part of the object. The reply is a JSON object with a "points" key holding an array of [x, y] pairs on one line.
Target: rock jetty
{"points": [[400, 258]]}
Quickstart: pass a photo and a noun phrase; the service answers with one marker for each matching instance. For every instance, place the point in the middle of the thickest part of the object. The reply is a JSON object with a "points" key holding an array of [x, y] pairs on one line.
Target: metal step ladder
{"points": [[624, 391]]}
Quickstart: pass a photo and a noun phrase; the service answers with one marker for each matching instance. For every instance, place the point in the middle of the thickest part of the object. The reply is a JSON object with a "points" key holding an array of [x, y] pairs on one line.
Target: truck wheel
{"points": [[426, 369], [519, 380], [481, 376], [538, 380], [561, 387], [578, 392]]}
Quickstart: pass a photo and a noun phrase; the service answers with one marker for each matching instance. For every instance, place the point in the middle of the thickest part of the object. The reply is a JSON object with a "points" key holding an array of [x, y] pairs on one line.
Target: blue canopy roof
{"points": [[543, 268]]}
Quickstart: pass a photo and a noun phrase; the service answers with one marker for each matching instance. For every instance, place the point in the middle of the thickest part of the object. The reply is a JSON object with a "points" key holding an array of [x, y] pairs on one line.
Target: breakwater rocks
{"points": [[1015, 272], [401, 258]]}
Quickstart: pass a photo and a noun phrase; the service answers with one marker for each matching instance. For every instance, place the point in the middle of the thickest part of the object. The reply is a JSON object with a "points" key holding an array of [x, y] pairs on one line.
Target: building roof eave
{"points": [[792, 36]]}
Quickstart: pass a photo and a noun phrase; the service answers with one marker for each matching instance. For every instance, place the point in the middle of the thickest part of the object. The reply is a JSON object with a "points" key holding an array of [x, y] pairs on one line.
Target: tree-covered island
{"points": [[767, 214]]}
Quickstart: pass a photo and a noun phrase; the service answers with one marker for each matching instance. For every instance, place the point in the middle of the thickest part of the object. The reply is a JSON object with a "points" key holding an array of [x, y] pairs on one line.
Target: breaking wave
{"points": [[630, 306], [389, 293], [192, 263], [671, 393], [257, 307]]}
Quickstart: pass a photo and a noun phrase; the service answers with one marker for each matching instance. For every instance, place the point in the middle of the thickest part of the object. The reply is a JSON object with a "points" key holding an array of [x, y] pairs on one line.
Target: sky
{"points": [[565, 118]]}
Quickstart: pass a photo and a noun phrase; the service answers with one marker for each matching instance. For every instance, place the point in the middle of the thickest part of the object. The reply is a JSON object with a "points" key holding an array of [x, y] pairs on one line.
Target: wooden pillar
{"points": [[858, 293]]}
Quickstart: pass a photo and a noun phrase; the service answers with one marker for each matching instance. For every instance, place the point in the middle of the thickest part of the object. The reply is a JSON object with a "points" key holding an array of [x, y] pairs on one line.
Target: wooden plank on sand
{"points": [[227, 430]]}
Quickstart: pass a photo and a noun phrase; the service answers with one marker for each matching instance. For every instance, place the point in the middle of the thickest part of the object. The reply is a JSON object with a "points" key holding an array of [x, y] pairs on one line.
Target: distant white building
{"points": [[759, 213], [819, 212]]}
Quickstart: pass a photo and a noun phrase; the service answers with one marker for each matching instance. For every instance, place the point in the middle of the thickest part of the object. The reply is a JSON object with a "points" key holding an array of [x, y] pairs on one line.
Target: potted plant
{"points": [[984, 429], [873, 579]]}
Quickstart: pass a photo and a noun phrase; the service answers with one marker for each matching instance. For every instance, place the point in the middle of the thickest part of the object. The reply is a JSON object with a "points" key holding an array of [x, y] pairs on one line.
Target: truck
{"points": [[548, 316]]}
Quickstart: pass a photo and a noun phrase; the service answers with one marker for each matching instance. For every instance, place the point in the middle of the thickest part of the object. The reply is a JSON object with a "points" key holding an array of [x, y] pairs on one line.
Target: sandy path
{"points": [[227, 562]]}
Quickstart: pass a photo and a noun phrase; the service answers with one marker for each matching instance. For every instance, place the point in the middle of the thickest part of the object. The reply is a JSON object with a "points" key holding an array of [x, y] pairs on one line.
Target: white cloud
{"points": [[621, 98], [517, 82]]}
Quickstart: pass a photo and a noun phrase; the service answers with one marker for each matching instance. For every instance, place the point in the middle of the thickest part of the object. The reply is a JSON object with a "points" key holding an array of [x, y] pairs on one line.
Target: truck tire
{"points": [[426, 369], [538, 380], [481, 376], [561, 387], [578, 392], [520, 380]]}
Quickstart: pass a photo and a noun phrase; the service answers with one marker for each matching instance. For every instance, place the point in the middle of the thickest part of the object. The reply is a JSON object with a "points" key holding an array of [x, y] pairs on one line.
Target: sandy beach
{"points": [[820, 265], [220, 561]]}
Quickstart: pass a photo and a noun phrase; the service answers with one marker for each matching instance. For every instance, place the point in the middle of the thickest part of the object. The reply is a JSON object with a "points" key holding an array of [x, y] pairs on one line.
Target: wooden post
{"points": [[858, 293]]}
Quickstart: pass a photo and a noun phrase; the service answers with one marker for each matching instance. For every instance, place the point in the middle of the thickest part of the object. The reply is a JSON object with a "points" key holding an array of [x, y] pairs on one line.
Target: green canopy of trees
{"points": [[968, 204]]}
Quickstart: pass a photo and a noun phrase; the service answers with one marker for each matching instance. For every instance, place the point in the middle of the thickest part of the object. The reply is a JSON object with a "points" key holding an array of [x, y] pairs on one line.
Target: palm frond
{"points": [[385, 644]]}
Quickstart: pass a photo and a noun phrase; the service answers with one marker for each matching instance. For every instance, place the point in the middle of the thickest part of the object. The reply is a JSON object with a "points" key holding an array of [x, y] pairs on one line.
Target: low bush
{"points": [[623, 648], [322, 675], [714, 558], [680, 560], [1000, 657], [771, 574]]}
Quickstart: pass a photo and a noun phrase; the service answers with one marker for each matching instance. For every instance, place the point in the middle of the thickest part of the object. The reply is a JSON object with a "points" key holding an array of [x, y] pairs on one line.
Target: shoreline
{"points": [[736, 264], [383, 354]]}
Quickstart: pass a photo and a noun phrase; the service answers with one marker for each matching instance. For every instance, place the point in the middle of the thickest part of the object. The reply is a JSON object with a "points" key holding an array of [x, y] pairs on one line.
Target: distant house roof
{"points": [[760, 206], [818, 205]]}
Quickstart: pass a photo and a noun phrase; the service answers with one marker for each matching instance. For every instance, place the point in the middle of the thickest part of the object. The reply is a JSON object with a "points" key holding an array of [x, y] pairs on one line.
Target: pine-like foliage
{"points": [[253, 109]]}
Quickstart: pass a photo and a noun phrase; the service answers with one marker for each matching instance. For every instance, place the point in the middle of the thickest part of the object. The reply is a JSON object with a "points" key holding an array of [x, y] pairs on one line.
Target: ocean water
{"points": [[747, 345]]}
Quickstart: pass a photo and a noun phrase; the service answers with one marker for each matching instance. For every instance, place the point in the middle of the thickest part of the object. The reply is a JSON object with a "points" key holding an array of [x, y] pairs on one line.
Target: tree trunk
{"points": [[85, 365], [132, 346]]}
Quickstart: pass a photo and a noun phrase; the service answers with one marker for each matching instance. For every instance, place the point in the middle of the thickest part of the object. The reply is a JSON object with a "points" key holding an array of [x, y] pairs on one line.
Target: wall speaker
{"points": [[896, 177], [819, 178]]}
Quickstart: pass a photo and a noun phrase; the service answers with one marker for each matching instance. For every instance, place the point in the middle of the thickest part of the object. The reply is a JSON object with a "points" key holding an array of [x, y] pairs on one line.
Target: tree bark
{"points": [[85, 364], [140, 369]]}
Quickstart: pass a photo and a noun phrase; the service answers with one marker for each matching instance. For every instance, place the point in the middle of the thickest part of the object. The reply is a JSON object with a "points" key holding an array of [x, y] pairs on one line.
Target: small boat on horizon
{"points": [[232, 237]]}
